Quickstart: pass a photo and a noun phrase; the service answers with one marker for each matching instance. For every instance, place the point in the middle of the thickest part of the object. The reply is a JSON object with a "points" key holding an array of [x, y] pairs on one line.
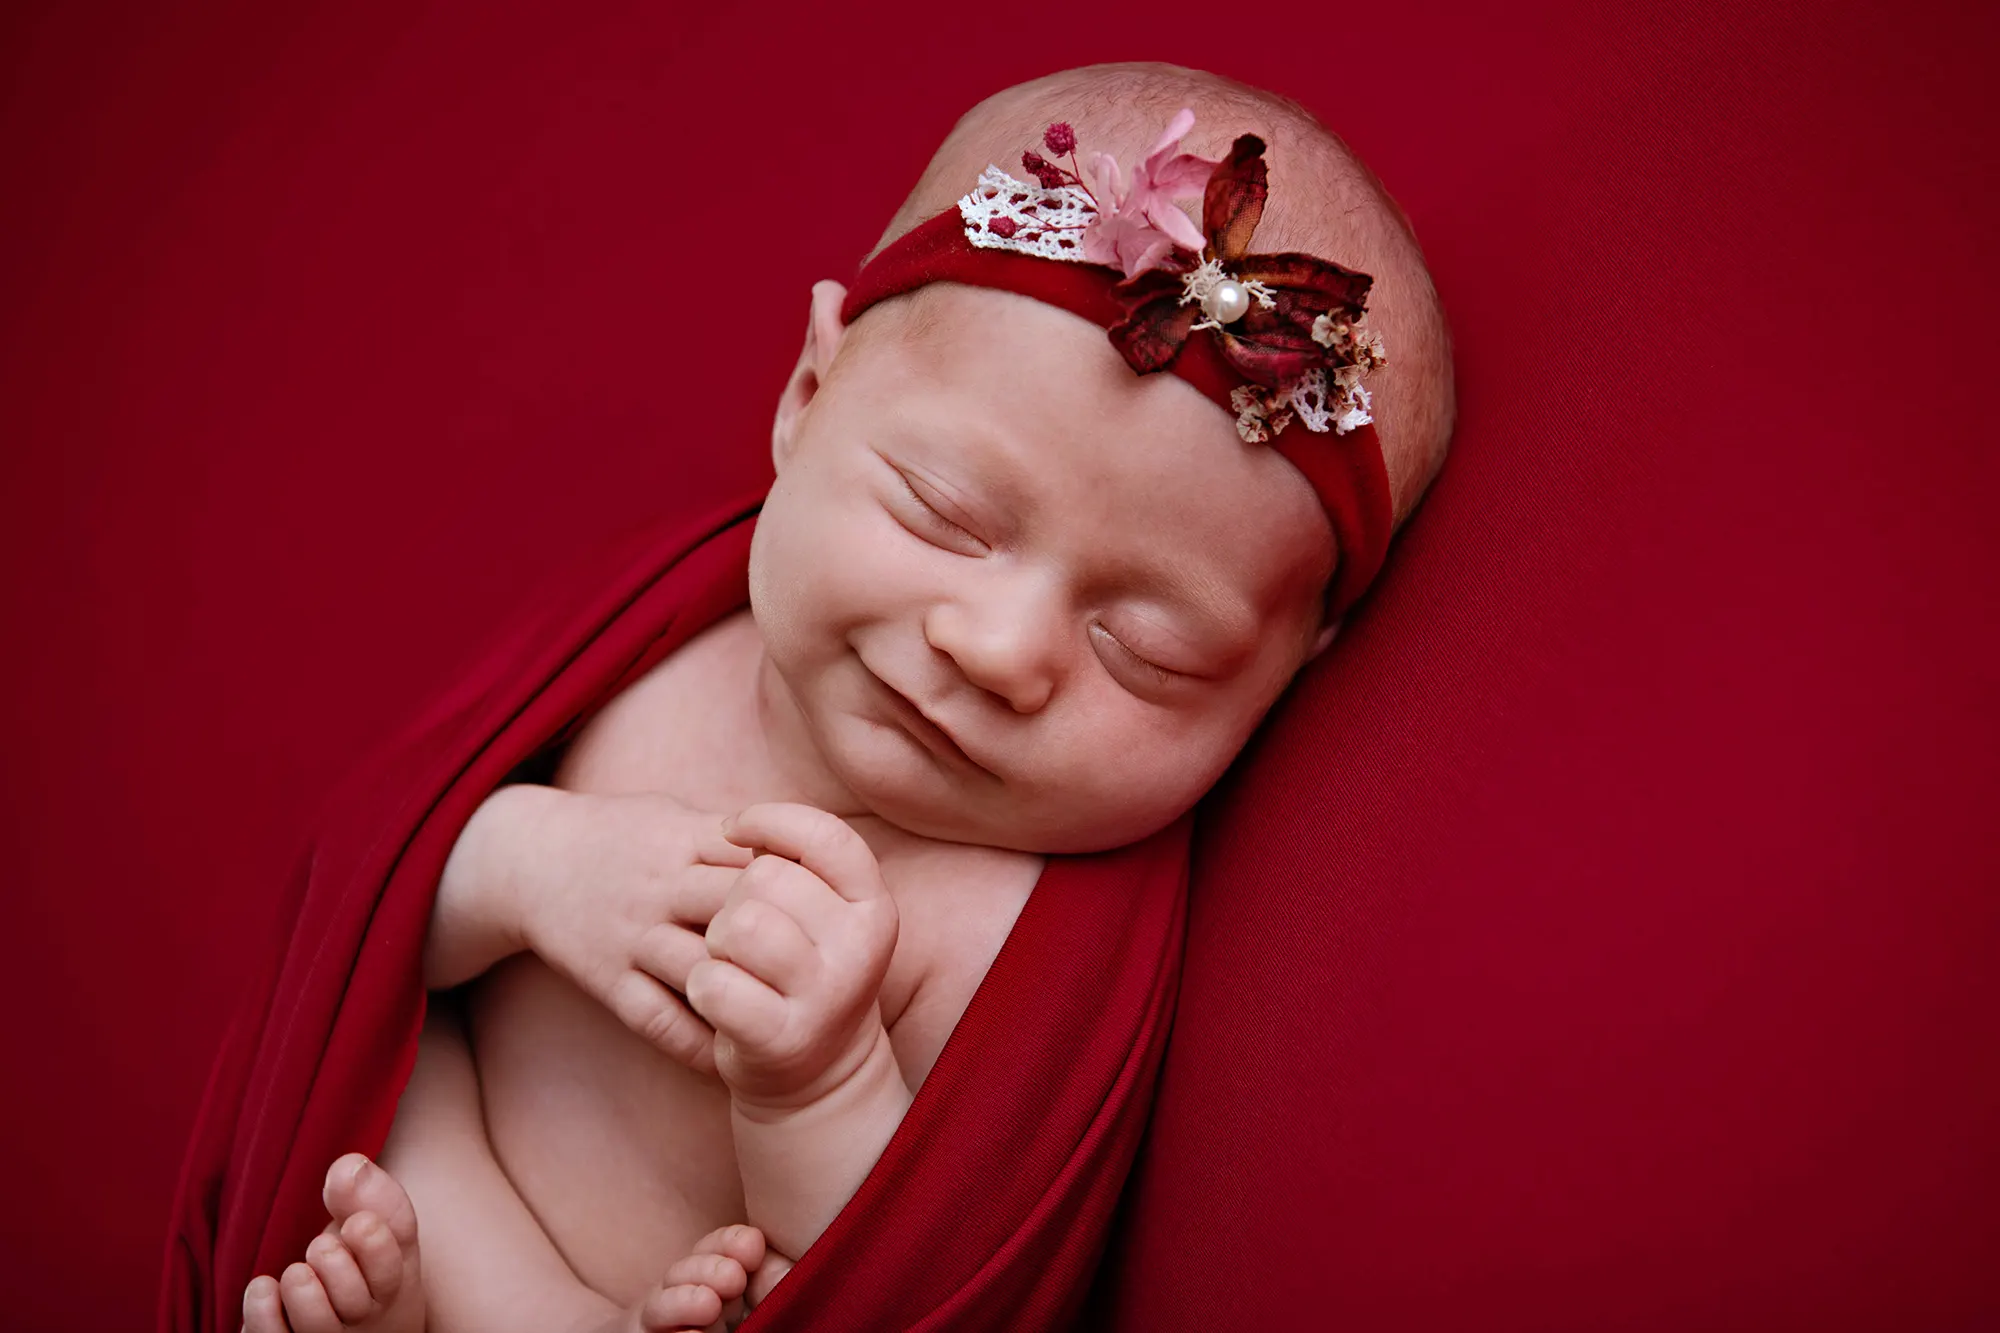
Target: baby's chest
{"points": [[676, 731], [623, 1154]]}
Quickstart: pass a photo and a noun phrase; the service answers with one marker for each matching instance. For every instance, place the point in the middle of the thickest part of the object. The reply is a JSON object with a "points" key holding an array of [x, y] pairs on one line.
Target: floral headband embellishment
{"points": [[1290, 324]]}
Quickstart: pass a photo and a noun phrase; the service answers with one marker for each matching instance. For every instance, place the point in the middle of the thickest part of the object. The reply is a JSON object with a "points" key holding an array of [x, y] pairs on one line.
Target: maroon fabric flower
{"points": [[1270, 346]]}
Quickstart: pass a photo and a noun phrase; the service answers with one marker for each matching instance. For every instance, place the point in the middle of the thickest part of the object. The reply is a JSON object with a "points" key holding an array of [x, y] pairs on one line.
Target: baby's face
{"points": [[1021, 596]]}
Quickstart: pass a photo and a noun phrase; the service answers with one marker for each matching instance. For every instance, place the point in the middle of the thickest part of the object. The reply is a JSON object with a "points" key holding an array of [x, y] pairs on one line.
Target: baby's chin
{"points": [[913, 795]]}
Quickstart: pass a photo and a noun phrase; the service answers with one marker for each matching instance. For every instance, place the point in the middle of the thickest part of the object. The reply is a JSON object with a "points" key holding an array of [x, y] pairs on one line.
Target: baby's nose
{"points": [[1005, 641]]}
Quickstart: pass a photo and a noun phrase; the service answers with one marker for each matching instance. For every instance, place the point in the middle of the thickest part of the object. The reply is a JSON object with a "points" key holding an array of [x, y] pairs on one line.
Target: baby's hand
{"points": [[796, 957], [625, 886]]}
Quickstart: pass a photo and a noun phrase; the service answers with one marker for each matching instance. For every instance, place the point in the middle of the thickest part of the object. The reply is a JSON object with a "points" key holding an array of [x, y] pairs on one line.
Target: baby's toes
{"points": [[742, 1242], [377, 1254], [340, 1276], [768, 1275], [717, 1272], [354, 1185], [307, 1308], [680, 1307], [263, 1308]]}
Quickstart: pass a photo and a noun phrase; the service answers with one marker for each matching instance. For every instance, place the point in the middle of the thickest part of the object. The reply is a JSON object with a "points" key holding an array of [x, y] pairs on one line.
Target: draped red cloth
{"points": [[989, 1207]]}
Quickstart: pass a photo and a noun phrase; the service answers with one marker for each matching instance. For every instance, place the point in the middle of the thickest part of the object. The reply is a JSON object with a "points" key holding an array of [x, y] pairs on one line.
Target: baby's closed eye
{"points": [[927, 520], [1133, 659]]}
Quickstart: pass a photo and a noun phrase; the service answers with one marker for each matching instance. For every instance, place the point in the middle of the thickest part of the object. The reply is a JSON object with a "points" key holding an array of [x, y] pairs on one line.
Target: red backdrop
{"points": [[1605, 937]]}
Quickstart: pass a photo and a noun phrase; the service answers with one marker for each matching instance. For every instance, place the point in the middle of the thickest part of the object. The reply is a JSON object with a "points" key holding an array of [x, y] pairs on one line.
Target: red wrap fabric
{"points": [[990, 1205], [1601, 936], [1345, 471]]}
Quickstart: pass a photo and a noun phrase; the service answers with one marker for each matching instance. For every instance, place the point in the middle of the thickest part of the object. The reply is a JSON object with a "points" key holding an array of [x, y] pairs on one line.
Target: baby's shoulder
{"points": [[671, 730], [955, 905]]}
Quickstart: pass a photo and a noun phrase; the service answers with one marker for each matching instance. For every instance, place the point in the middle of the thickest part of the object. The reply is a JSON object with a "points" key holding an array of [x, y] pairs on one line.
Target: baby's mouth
{"points": [[928, 733]]}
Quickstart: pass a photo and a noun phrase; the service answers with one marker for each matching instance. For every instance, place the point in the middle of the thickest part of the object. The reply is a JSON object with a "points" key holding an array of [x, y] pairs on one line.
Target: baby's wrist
{"points": [[528, 855], [802, 1162], [866, 1068], [488, 884]]}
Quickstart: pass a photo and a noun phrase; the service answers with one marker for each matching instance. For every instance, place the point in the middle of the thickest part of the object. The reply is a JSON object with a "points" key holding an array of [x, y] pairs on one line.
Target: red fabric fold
{"points": [[990, 1205]]}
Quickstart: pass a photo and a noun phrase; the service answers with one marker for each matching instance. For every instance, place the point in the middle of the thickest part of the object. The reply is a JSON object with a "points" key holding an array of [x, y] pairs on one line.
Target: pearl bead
{"points": [[1226, 302]]}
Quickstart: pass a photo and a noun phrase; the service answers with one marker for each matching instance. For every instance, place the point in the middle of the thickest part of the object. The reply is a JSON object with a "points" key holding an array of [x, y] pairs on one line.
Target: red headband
{"points": [[1346, 470]]}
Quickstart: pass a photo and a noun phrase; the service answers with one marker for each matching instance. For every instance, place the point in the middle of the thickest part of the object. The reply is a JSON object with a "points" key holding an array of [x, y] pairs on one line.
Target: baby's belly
{"points": [[623, 1156]]}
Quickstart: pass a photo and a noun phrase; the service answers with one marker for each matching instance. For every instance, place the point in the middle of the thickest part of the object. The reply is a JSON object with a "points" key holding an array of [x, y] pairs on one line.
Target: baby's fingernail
{"points": [[360, 1170]]}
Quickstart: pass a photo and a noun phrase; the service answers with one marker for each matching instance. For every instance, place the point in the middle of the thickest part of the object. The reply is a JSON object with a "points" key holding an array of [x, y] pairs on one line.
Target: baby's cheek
{"points": [[1162, 764]]}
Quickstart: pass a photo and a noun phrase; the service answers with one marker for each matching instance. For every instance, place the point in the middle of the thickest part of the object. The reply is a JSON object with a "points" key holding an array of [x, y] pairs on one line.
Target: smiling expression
{"points": [[1020, 596]]}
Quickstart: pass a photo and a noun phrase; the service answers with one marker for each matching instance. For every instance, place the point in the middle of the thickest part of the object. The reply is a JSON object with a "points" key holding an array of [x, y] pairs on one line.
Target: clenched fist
{"points": [[795, 958]]}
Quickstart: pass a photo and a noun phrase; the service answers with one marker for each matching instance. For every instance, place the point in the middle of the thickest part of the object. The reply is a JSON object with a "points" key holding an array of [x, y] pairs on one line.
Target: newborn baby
{"points": [[1009, 599]]}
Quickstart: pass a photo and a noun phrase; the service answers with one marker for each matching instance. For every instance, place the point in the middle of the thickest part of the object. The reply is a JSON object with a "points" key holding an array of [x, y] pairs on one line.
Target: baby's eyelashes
{"points": [[1159, 673], [935, 526]]}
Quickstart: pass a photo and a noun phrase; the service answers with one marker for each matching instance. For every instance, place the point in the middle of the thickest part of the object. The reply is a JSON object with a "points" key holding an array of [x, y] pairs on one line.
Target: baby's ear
{"points": [[823, 334]]}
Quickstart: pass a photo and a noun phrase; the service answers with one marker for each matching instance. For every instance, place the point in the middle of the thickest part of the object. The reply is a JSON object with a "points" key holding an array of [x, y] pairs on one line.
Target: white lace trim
{"points": [[1261, 413], [1045, 223]]}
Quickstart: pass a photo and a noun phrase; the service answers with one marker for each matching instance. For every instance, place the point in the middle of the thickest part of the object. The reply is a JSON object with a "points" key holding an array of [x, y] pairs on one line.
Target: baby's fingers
{"points": [[653, 1011], [765, 942], [700, 890], [738, 1006], [669, 952], [822, 843], [712, 848]]}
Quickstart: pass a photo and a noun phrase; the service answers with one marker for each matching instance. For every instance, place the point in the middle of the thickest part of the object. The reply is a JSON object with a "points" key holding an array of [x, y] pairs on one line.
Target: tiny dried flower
{"points": [[1048, 173], [1260, 413], [1060, 139]]}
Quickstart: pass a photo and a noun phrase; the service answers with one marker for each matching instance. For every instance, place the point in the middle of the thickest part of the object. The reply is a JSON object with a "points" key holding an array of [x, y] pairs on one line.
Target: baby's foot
{"points": [[705, 1290], [360, 1273]]}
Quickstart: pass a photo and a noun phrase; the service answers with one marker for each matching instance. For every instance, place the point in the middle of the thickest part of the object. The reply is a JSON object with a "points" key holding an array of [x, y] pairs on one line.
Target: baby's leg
{"points": [[486, 1264]]}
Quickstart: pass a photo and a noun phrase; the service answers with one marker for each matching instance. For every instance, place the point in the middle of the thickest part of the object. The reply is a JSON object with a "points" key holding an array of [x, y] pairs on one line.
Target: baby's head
{"points": [[1085, 579]]}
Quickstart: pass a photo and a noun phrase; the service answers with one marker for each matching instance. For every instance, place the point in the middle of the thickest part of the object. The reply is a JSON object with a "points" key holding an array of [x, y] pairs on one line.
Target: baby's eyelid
{"points": [[1164, 673], [932, 510]]}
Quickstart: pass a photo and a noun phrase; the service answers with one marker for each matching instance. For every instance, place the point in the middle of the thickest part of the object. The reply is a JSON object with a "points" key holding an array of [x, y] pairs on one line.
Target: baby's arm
{"points": [[475, 920], [611, 891], [798, 952]]}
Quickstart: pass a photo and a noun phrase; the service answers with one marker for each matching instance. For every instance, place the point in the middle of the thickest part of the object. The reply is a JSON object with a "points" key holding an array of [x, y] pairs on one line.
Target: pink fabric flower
{"points": [[1138, 226]]}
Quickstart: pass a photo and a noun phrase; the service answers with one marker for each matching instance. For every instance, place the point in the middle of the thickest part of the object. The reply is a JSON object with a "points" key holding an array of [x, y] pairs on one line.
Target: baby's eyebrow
{"points": [[1218, 615], [1217, 619], [976, 481]]}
